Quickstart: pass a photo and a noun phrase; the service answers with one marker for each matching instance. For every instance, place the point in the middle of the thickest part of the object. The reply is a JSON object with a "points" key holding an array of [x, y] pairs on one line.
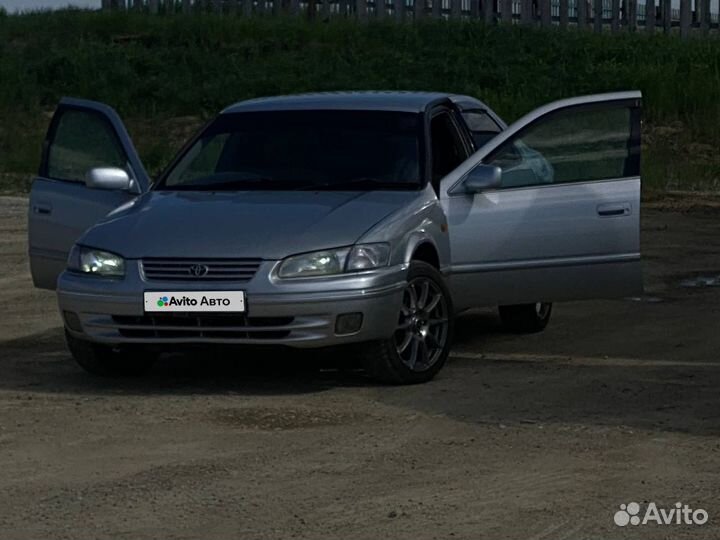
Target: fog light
{"points": [[72, 321], [348, 323]]}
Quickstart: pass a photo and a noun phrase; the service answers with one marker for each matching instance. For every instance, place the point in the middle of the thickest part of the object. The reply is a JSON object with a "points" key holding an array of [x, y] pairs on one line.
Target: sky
{"points": [[21, 5]]}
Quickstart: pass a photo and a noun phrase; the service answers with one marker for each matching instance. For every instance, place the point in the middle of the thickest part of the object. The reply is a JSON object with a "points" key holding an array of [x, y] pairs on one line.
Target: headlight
{"points": [[95, 261], [335, 261]]}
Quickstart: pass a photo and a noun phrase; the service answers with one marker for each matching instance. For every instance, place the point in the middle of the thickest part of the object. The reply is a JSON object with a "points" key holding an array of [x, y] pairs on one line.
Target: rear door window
{"points": [[482, 126]]}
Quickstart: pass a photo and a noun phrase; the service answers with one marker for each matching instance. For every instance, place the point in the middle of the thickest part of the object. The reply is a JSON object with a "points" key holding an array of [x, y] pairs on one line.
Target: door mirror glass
{"points": [[112, 178], [483, 178]]}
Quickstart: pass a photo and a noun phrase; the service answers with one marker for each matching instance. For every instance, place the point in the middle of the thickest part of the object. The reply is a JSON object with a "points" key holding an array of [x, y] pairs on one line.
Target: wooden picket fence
{"points": [[692, 17]]}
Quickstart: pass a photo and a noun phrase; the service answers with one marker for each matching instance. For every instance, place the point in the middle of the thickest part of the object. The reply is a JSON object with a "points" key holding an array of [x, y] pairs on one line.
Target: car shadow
{"points": [[41, 362], [507, 390]]}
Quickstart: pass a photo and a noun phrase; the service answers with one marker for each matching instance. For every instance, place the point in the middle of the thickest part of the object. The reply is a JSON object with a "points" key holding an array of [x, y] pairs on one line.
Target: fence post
{"points": [[666, 15], [705, 17], [361, 9], [399, 7], [597, 16], [684, 18], [506, 14], [436, 8], [632, 15], [379, 8], [488, 11], [650, 16], [564, 13], [455, 9], [581, 14], [526, 14], [615, 16], [545, 13]]}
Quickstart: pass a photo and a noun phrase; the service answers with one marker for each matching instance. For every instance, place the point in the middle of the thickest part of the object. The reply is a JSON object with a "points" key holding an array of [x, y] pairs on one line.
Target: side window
{"points": [[82, 140], [572, 145], [447, 148], [481, 125]]}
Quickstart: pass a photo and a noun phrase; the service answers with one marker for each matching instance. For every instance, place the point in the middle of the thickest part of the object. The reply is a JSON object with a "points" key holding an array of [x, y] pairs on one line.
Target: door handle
{"points": [[613, 209], [42, 209]]}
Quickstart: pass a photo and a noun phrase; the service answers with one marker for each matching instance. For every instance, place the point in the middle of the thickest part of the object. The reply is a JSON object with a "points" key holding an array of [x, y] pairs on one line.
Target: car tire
{"points": [[419, 348], [106, 361], [526, 318]]}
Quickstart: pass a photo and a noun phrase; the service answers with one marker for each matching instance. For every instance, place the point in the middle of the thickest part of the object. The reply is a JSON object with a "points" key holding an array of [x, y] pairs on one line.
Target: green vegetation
{"points": [[166, 75]]}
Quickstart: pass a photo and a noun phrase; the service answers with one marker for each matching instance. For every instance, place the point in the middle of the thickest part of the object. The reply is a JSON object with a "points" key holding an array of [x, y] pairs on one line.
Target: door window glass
{"points": [[447, 148], [481, 125], [82, 141], [572, 145]]}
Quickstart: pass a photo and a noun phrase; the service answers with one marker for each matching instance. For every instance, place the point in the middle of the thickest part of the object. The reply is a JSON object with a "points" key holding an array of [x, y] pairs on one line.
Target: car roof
{"points": [[362, 101]]}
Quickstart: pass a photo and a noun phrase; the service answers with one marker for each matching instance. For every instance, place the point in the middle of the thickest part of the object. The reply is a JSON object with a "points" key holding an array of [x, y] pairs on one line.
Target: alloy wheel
{"points": [[422, 331]]}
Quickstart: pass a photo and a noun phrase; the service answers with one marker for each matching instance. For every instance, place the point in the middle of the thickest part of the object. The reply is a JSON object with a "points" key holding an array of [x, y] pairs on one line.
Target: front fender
{"points": [[422, 222]]}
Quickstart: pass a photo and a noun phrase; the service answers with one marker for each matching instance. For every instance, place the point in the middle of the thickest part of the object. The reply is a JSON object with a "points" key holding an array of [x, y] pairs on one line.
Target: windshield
{"points": [[294, 150]]}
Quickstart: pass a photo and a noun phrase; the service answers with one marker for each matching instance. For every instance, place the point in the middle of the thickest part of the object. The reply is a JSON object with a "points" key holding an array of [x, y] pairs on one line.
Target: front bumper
{"points": [[297, 313]]}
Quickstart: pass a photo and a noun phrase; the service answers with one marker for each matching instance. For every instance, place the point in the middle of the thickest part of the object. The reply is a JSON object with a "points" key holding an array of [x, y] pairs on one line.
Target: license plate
{"points": [[194, 301]]}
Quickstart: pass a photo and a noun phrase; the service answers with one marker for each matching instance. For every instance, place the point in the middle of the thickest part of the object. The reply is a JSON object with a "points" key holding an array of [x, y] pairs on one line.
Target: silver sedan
{"points": [[364, 218]]}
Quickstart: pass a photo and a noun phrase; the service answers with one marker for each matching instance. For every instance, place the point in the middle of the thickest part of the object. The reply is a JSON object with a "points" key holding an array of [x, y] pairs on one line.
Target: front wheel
{"points": [[526, 318], [108, 362], [421, 343]]}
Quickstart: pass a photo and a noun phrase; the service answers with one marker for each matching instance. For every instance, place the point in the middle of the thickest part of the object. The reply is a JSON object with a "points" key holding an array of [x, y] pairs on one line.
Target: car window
{"points": [[575, 145], [321, 149], [481, 125], [447, 149], [82, 140]]}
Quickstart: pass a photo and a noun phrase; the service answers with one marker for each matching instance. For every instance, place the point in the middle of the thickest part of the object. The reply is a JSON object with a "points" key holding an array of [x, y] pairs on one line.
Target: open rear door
{"points": [[563, 223], [83, 135]]}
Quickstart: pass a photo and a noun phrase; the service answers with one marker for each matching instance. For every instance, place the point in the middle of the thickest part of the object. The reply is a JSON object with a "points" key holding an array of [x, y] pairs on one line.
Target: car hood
{"points": [[264, 224]]}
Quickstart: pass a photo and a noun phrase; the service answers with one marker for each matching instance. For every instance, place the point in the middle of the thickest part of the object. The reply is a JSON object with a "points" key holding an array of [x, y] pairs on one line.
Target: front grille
{"points": [[237, 270], [211, 325]]}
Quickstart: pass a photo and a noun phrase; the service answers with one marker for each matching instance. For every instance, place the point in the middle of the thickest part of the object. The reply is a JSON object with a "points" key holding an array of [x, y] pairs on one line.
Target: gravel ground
{"points": [[529, 437]]}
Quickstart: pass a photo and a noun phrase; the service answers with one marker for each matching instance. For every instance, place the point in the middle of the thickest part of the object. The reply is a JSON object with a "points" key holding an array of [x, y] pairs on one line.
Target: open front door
{"points": [[563, 221], [83, 135]]}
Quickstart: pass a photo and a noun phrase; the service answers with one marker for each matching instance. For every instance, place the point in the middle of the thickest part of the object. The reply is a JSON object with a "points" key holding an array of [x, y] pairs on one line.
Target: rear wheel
{"points": [[421, 343], [526, 318], [107, 361]]}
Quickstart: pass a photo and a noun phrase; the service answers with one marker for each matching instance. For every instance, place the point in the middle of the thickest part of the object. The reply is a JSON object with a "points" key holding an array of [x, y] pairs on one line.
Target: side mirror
{"points": [[482, 178], [108, 178]]}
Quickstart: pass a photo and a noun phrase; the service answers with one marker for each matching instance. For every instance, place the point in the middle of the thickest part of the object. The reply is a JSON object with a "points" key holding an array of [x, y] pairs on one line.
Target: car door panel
{"points": [[82, 135], [557, 239]]}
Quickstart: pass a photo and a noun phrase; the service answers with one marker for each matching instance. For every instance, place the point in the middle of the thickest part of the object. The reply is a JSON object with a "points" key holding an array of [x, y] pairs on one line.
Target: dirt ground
{"points": [[528, 437]]}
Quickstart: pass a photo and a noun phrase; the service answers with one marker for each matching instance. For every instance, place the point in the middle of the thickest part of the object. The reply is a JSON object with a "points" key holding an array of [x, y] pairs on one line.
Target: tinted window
{"points": [[573, 145], [82, 141], [447, 149], [481, 125], [304, 150]]}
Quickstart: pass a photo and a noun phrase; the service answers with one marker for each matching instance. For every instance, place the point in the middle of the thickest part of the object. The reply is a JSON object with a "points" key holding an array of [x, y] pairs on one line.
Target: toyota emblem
{"points": [[199, 270]]}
